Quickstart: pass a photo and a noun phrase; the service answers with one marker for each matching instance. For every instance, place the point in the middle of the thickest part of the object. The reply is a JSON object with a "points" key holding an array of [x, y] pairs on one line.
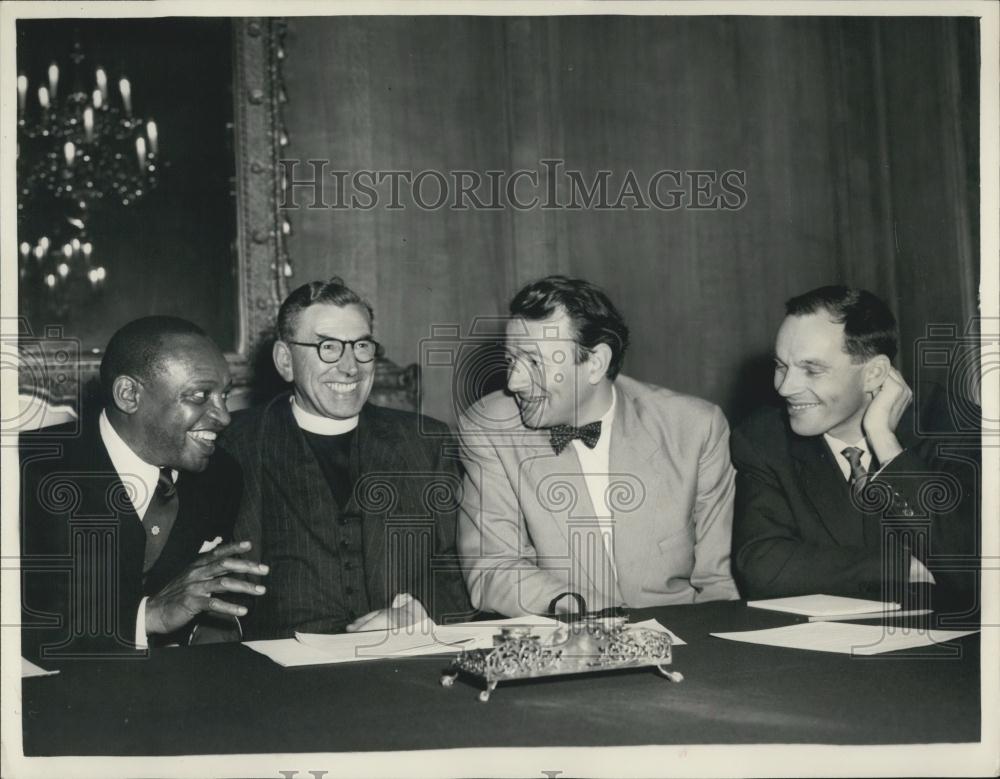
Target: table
{"points": [[226, 698]]}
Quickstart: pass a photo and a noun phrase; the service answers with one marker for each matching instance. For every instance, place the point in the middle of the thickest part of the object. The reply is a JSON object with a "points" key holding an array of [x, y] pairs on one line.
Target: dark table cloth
{"points": [[226, 698]]}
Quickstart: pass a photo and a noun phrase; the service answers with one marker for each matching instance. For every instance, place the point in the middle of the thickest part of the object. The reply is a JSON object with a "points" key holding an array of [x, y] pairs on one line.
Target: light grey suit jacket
{"points": [[527, 529]]}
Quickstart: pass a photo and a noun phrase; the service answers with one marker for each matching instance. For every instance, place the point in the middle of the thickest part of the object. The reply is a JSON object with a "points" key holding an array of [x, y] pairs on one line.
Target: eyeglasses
{"points": [[332, 349]]}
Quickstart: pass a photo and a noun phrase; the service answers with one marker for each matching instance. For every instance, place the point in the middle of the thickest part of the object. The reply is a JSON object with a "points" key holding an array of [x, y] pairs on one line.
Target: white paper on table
{"points": [[29, 669], [289, 652], [423, 638], [426, 638], [823, 605], [845, 637]]}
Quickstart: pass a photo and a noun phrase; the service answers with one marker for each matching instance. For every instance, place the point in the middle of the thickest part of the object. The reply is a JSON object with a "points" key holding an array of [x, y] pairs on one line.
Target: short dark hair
{"points": [[333, 290], [137, 348], [594, 316], [869, 326]]}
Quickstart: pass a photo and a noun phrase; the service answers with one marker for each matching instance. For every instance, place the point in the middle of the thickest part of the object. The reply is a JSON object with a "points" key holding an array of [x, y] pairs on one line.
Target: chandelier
{"points": [[80, 145]]}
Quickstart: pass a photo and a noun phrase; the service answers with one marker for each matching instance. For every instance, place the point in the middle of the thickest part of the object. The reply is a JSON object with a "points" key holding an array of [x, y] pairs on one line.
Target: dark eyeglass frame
{"points": [[318, 346]]}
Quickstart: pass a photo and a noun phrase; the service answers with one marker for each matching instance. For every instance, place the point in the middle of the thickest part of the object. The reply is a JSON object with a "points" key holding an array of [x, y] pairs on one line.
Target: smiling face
{"points": [[335, 390], [547, 383], [180, 409], [823, 387]]}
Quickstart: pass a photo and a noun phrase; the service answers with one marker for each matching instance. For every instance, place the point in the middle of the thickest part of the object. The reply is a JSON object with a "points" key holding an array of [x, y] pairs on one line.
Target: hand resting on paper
{"points": [[405, 610]]}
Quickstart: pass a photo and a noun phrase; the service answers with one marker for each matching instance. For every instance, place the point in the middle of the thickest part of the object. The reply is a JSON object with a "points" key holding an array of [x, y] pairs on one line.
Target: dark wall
{"points": [[857, 139], [172, 251]]}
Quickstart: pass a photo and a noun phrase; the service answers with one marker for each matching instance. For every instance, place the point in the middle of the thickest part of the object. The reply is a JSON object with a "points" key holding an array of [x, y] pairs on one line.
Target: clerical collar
{"points": [[314, 423]]}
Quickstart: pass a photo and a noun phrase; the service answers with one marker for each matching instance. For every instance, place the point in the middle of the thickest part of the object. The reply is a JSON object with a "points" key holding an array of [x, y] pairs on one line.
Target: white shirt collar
{"points": [[609, 415], [138, 476], [314, 423], [837, 447]]}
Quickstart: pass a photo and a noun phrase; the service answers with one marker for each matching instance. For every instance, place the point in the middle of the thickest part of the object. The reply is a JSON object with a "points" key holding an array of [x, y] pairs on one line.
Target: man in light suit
{"points": [[124, 521], [351, 505], [849, 489], [579, 479]]}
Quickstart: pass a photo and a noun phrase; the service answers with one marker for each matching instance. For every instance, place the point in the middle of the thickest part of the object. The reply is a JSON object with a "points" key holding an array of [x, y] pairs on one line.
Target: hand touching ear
{"points": [[883, 415]]}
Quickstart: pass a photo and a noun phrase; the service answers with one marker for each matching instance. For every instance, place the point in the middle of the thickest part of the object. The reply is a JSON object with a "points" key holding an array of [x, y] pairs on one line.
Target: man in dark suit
{"points": [[352, 506], [843, 491], [122, 523]]}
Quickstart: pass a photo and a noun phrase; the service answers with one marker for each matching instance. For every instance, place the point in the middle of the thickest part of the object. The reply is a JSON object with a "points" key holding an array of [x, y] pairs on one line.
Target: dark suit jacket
{"points": [[406, 493], [82, 543], [796, 529]]}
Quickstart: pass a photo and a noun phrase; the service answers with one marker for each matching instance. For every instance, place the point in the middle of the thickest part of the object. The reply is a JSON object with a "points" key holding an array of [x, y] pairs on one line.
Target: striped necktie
{"points": [[159, 518], [859, 476]]}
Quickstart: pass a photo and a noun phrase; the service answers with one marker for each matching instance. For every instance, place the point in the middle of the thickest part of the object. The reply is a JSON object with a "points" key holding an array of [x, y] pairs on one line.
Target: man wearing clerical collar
{"points": [[351, 505], [580, 479], [842, 490]]}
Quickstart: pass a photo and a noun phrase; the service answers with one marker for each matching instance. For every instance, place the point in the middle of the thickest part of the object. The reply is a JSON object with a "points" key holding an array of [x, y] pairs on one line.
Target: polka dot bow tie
{"points": [[561, 435]]}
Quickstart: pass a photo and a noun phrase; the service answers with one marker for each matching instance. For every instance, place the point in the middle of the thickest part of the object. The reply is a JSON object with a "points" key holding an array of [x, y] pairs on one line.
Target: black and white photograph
{"points": [[484, 389]]}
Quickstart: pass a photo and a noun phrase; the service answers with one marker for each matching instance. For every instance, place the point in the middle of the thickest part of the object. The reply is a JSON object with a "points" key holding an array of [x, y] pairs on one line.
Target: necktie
{"points": [[159, 518], [858, 473], [561, 435]]}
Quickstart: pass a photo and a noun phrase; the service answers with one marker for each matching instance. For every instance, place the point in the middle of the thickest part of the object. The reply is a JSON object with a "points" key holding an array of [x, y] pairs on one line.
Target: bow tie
{"points": [[561, 435]]}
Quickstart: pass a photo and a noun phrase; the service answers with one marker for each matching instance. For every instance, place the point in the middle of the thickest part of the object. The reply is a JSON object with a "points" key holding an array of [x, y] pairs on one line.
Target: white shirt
{"points": [[838, 446], [140, 479], [314, 423], [595, 465]]}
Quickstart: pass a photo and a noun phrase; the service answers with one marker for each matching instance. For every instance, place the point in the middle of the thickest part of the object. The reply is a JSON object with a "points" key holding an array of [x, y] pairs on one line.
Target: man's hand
{"points": [[409, 612], [192, 592], [883, 415]]}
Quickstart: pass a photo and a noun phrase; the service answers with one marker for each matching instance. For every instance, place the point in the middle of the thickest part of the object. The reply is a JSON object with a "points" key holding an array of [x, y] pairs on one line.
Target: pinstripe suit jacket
{"points": [[406, 494]]}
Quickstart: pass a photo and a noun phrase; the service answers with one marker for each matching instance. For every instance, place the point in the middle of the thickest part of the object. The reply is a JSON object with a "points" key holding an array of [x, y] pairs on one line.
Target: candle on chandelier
{"points": [[97, 276], [43, 97], [53, 78], [67, 251], [50, 280], [22, 92], [88, 122], [25, 249], [154, 137], [43, 242], [98, 99], [69, 150], [88, 248], [102, 83], [75, 244], [140, 152], [62, 269], [126, 89]]}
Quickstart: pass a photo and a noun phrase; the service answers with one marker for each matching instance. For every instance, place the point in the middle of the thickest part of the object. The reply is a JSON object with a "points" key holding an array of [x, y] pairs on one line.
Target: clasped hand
{"points": [[193, 591]]}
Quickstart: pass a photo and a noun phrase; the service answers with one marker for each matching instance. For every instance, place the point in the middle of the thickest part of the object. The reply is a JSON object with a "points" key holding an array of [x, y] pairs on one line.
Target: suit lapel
{"points": [[823, 483], [557, 485], [379, 449], [636, 461], [292, 470], [105, 496], [186, 534]]}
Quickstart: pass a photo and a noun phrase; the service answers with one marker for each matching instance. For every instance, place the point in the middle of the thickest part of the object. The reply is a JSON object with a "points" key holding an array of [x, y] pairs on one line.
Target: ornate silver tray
{"points": [[590, 644]]}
